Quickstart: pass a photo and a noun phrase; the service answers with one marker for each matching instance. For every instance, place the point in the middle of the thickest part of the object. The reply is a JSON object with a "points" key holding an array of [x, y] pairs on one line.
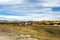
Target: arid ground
{"points": [[29, 32]]}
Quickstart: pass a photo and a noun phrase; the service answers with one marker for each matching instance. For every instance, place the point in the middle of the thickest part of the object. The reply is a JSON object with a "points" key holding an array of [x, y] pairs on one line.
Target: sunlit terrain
{"points": [[30, 30]]}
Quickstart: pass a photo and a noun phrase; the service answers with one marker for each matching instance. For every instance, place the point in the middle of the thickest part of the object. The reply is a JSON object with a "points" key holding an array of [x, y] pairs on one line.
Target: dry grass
{"points": [[41, 32]]}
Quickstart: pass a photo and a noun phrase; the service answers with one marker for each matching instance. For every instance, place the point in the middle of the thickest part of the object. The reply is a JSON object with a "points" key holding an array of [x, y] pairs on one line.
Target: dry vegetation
{"points": [[45, 30]]}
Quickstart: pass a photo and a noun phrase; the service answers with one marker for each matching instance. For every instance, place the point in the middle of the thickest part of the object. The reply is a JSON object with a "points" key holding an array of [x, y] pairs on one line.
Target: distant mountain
{"points": [[3, 20]]}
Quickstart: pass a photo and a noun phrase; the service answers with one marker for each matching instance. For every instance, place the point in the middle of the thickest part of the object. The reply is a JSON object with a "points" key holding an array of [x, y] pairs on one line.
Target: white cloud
{"points": [[46, 3], [34, 17], [50, 3], [11, 1], [36, 11]]}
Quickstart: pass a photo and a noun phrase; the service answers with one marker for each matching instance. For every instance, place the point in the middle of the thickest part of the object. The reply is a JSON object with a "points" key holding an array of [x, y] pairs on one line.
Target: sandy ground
{"points": [[16, 37], [5, 38]]}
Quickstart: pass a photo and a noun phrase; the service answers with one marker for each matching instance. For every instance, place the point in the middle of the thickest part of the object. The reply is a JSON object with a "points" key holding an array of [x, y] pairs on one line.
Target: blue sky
{"points": [[25, 10]]}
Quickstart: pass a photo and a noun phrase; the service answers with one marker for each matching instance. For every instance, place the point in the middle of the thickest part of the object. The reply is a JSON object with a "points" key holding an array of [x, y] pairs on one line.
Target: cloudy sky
{"points": [[25, 10]]}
